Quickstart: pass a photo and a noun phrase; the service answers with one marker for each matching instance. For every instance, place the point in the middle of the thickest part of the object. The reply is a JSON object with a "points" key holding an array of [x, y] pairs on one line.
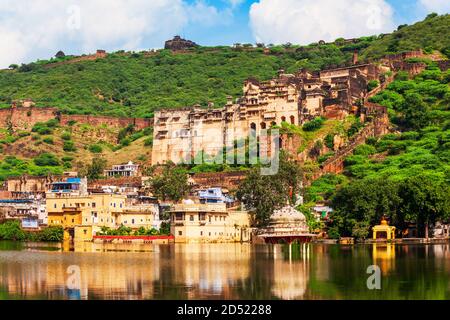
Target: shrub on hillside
{"points": [[314, 124], [66, 136], [95, 148], [69, 146], [46, 159], [48, 140]]}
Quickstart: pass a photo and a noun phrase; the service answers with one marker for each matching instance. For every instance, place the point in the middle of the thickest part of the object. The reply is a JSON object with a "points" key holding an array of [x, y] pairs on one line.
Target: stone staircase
{"points": [[377, 124]]}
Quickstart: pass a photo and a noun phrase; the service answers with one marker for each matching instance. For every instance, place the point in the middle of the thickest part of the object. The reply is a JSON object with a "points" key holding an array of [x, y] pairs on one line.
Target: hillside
{"points": [[404, 175], [428, 34], [49, 148], [135, 84]]}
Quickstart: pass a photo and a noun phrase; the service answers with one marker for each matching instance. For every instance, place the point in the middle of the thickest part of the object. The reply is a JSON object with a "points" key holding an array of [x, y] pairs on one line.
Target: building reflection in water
{"points": [[383, 255], [142, 272], [291, 271], [222, 271], [193, 271]]}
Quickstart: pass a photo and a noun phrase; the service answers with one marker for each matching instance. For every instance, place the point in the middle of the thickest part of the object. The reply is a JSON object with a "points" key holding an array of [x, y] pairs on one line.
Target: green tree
{"points": [[11, 230], [415, 111], [424, 200], [264, 194], [366, 201], [361, 230], [171, 184], [95, 170]]}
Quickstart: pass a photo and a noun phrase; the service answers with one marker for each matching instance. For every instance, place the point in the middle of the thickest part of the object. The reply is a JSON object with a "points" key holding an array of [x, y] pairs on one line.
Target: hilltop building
{"points": [[181, 134], [178, 43]]}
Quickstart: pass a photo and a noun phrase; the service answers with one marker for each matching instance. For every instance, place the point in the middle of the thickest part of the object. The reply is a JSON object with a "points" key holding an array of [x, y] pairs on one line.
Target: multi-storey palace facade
{"points": [[180, 134]]}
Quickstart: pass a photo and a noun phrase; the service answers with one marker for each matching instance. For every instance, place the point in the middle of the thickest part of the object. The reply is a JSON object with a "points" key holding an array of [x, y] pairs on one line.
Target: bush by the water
{"points": [[11, 230], [126, 231]]}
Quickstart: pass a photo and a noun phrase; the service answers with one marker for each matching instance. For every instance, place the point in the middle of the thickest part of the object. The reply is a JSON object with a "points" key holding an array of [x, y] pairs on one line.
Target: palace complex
{"points": [[181, 134]]}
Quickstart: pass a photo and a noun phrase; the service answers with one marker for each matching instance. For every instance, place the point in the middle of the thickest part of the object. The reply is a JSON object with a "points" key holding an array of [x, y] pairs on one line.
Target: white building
{"points": [[123, 170]]}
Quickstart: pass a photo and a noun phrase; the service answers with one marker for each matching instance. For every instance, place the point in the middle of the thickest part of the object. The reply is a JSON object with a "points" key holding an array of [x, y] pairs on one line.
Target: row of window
{"points": [[180, 233], [201, 217], [94, 205], [273, 123]]}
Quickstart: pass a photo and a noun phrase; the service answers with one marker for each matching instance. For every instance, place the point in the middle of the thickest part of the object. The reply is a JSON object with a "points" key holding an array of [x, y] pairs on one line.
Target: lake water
{"points": [[222, 271]]}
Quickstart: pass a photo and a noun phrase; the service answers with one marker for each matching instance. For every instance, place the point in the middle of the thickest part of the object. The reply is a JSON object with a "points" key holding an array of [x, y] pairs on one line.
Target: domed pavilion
{"points": [[287, 225]]}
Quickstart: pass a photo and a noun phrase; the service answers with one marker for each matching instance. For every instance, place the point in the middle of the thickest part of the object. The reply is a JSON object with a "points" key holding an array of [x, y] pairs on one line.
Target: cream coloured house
{"points": [[195, 222]]}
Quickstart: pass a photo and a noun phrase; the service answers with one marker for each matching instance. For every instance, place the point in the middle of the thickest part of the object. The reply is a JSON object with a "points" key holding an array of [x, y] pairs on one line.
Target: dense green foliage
{"points": [[314, 124], [13, 167], [135, 84], [95, 148], [94, 170], [44, 128], [405, 176], [420, 199], [171, 184], [126, 231], [11, 230], [262, 194], [427, 34]]}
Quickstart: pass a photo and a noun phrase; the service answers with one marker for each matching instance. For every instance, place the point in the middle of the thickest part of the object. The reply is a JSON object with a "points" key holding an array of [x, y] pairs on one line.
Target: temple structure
{"points": [[287, 225], [383, 231]]}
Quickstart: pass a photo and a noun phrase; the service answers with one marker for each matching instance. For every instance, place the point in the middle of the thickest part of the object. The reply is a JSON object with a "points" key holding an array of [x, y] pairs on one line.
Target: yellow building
{"points": [[138, 216], [86, 210], [383, 231], [209, 223]]}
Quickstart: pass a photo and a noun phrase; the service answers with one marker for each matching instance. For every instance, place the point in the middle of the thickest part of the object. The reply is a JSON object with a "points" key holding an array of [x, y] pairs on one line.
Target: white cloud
{"points": [[206, 15], [306, 21], [438, 6], [235, 3], [31, 29]]}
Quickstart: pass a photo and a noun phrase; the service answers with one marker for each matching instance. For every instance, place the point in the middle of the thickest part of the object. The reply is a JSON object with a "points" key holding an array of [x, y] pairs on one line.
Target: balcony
{"points": [[217, 207]]}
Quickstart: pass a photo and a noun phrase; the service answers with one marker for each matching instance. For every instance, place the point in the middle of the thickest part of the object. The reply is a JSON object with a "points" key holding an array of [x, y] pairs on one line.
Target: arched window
{"points": [[292, 120], [283, 119], [253, 126], [263, 125]]}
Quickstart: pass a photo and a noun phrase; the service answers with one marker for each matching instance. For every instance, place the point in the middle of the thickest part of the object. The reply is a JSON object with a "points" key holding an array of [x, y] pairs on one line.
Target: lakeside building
{"points": [[140, 212], [212, 222], [83, 214], [32, 213], [123, 170], [287, 225]]}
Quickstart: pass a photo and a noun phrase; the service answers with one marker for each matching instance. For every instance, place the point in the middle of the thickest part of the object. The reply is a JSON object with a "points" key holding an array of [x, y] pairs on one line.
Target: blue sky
{"points": [[239, 29], [37, 29]]}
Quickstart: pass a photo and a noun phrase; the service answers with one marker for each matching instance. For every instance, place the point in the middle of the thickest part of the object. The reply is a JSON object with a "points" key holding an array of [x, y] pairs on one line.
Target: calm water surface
{"points": [[222, 271]]}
